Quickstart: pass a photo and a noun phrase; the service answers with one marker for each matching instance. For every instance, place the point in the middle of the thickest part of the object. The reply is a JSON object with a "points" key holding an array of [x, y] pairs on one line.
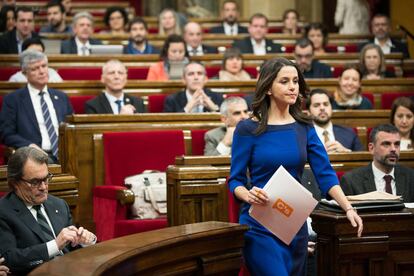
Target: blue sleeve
{"points": [[320, 164], [240, 156]]}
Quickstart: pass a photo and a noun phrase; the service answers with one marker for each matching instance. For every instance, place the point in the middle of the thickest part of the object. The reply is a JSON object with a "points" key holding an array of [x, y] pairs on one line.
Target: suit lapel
{"points": [[103, 100], [54, 216], [28, 107], [400, 182], [56, 100], [74, 48], [369, 181], [249, 45]]}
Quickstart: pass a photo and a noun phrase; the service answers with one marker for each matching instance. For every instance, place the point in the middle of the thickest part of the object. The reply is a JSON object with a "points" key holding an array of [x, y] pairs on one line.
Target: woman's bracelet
{"points": [[349, 209]]}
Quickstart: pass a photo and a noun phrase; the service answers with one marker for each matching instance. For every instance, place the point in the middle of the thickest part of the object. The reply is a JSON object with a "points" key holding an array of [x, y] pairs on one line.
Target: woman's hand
{"points": [[355, 220], [257, 196]]}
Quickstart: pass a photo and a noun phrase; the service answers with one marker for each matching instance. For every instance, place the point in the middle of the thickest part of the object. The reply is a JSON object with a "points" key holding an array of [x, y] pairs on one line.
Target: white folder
{"points": [[290, 204]]}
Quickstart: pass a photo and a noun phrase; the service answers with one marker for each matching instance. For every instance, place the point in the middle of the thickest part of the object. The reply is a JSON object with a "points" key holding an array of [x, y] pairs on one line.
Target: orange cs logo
{"points": [[283, 207]]}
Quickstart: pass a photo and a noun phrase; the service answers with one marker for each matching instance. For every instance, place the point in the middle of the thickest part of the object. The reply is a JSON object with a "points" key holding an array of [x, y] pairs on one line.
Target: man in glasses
{"points": [[304, 56], [35, 227]]}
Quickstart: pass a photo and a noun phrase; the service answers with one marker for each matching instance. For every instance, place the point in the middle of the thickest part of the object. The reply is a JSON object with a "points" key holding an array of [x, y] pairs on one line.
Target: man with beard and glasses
{"points": [[138, 44], [56, 19], [230, 15], [335, 138], [383, 174], [310, 67]]}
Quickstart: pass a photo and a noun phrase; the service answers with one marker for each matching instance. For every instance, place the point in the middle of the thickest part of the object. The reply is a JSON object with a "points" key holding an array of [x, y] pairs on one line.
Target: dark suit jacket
{"points": [[69, 46], [318, 70], [220, 29], [8, 42], [347, 138], [101, 105], [398, 47], [246, 47], [176, 102], [18, 123], [361, 180], [209, 49], [22, 243]]}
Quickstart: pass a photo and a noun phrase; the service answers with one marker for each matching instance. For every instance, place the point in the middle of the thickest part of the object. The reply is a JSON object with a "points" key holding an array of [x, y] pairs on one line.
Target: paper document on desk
{"points": [[375, 195], [289, 206]]}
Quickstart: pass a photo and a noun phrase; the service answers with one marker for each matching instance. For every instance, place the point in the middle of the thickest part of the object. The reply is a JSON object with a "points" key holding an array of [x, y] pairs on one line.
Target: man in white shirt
{"points": [[383, 174], [230, 15], [35, 226], [80, 44], [218, 141], [193, 37]]}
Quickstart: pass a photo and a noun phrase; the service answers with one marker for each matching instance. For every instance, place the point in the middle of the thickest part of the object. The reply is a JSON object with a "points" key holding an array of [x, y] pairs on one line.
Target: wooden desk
{"points": [[209, 248], [385, 248]]}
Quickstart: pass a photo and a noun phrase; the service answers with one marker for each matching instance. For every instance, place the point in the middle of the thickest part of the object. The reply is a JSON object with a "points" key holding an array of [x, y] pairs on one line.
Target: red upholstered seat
{"points": [[7, 72], [369, 96], [138, 73], [337, 70], [197, 141], [339, 174], [2, 152], [80, 73], [126, 154], [388, 98], [156, 103], [78, 103]]}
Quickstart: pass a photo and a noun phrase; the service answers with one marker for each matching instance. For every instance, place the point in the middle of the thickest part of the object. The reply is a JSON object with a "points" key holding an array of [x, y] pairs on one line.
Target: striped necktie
{"points": [[46, 230], [49, 125]]}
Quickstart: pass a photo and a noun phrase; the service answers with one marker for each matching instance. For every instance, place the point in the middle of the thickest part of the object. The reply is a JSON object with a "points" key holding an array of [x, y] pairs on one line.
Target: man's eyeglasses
{"points": [[36, 182]]}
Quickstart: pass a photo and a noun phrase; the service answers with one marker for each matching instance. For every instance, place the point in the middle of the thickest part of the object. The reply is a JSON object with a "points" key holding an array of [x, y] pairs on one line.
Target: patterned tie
{"points": [[84, 50], [388, 179], [46, 230], [49, 125], [194, 52], [325, 134], [118, 103]]}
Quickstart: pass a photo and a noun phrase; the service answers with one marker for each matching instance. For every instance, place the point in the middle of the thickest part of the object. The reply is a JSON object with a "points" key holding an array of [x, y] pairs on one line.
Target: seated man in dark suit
{"points": [[113, 100], [381, 29], [230, 15], [11, 42], [336, 138], [219, 140], [35, 227], [256, 43], [80, 44], [195, 98], [383, 174], [193, 37], [310, 67], [138, 42], [30, 116]]}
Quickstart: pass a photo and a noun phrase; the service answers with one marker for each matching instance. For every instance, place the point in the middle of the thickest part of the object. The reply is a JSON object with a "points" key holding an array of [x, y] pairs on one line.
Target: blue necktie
{"points": [[46, 230], [49, 125], [118, 103]]}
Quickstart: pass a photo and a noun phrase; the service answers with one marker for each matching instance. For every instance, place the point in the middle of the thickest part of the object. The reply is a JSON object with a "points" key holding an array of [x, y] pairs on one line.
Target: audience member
{"points": [[230, 15], [7, 19], [372, 63], [218, 140], [4, 270], [290, 21], [173, 57], [335, 138], [8, 3], [384, 174], [193, 39], [352, 16], [138, 43], [256, 43], [11, 42], [56, 19], [35, 226], [113, 100], [381, 28], [30, 116], [310, 67], [68, 6], [116, 21], [81, 43], [233, 66], [402, 117], [318, 34], [195, 98], [169, 23], [36, 44], [348, 92]]}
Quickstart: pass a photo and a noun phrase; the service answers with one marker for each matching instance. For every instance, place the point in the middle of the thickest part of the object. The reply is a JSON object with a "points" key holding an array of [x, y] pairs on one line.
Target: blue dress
{"points": [[290, 145]]}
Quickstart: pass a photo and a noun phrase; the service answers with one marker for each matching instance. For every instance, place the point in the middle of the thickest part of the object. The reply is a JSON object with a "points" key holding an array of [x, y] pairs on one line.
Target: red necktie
{"points": [[388, 179]]}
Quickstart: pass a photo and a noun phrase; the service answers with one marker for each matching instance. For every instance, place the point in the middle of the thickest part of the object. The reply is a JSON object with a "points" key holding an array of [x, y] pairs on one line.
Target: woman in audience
{"points": [[233, 66], [169, 23], [402, 116], [318, 34], [352, 16], [372, 63], [116, 20], [290, 21], [173, 56], [348, 93], [7, 18]]}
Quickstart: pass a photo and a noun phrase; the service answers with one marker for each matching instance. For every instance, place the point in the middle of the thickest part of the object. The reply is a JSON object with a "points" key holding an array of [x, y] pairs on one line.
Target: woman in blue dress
{"points": [[279, 134]]}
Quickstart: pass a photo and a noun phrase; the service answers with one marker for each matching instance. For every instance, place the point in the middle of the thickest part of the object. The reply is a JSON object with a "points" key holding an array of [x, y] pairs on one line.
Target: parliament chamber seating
{"points": [[156, 103], [197, 141], [388, 98], [126, 154], [78, 102]]}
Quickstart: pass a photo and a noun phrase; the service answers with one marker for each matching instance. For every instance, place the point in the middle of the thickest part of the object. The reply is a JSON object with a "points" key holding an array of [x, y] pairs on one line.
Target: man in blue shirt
{"points": [[311, 68], [138, 44], [56, 19]]}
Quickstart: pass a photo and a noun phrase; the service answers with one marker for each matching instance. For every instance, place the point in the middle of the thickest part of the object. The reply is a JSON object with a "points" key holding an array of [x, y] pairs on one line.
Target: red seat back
{"points": [[137, 73], [339, 174], [7, 72], [197, 141], [156, 103], [129, 153], [369, 96], [388, 98], [80, 73], [78, 103]]}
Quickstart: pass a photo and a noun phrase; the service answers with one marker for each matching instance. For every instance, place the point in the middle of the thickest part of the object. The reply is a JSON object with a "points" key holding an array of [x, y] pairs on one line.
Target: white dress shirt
{"points": [[386, 48], [80, 46], [320, 130], [223, 149], [35, 97], [231, 29], [199, 50], [380, 182], [112, 99], [259, 48]]}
